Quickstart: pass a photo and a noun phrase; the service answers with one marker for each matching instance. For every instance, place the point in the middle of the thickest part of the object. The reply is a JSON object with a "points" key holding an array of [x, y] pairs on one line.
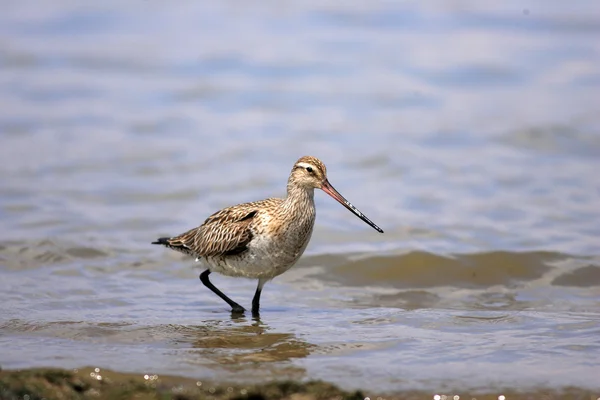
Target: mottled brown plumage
{"points": [[226, 232], [261, 239]]}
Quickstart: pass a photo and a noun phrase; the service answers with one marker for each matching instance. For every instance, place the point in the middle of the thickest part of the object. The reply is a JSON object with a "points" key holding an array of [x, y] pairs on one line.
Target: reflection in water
{"points": [[238, 340], [237, 347], [233, 346], [241, 342]]}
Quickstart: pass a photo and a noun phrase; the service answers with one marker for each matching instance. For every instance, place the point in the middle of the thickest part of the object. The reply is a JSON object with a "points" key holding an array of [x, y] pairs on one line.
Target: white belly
{"points": [[264, 259]]}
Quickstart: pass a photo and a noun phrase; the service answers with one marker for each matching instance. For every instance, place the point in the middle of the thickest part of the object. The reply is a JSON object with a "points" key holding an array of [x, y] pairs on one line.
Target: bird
{"points": [[261, 239]]}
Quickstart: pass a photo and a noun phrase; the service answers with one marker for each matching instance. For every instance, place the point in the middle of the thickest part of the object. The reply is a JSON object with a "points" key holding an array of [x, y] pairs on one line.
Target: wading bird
{"points": [[262, 239]]}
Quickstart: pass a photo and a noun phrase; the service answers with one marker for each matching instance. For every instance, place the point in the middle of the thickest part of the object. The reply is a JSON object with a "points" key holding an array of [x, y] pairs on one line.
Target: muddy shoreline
{"points": [[86, 383]]}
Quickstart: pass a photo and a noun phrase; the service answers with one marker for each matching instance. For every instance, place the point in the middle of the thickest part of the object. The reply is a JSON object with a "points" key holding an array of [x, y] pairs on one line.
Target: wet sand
{"points": [[95, 383]]}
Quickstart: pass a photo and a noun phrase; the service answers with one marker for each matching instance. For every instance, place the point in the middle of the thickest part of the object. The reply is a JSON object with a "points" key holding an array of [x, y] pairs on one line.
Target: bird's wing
{"points": [[226, 232]]}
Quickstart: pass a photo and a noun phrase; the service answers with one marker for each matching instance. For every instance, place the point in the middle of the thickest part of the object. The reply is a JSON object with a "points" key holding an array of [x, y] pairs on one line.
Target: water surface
{"points": [[468, 131]]}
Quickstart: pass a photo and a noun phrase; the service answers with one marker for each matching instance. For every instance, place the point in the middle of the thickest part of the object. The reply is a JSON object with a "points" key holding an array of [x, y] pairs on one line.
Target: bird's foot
{"points": [[237, 309]]}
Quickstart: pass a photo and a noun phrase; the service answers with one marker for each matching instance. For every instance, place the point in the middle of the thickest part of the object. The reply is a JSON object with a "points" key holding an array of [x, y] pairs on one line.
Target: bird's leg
{"points": [[256, 298], [235, 307], [256, 302]]}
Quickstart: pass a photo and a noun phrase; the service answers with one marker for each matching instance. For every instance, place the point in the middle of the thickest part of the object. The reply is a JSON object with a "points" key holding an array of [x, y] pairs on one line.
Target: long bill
{"points": [[330, 190]]}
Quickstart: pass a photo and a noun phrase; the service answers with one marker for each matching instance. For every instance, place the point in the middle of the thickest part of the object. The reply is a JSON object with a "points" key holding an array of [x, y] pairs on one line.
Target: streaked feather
{"points": [[226, 232]]}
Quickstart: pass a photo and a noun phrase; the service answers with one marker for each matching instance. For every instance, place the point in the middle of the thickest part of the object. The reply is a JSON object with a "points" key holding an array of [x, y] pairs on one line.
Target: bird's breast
{"points": [[283, 245]]}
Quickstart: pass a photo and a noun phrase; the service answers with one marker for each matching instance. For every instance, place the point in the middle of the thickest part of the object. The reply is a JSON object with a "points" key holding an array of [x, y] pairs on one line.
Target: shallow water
{"points": [[468, 131]]}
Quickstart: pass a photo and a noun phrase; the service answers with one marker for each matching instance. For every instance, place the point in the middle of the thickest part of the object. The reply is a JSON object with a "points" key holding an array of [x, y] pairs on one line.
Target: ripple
{"points": [[21, 255], [85, 252]]}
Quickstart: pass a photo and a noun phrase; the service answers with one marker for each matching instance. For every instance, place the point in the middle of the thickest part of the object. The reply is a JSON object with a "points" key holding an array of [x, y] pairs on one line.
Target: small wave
{"points": [[420, 269], [582, 277], [18, 255]]}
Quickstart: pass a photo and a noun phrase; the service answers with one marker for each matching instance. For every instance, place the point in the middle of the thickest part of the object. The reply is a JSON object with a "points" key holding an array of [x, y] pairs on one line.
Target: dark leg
{"points": [[235, 307], [256, 298], [256, 301]]}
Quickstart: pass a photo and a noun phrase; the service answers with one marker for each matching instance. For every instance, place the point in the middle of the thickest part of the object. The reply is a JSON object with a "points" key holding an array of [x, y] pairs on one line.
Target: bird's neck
{"points": [[299, 197]]}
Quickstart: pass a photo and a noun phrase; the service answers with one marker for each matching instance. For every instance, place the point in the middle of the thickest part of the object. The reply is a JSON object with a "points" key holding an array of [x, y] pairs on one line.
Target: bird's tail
{"points": [[175, 244], [162, 240]]}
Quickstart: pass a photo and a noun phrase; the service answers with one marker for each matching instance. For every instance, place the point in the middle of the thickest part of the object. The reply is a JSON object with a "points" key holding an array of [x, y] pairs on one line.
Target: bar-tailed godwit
{"points": [[262, 239]]}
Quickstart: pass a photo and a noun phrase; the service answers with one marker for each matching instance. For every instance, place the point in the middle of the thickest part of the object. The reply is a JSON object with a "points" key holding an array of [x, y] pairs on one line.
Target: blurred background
{"points": [[467, 130]]}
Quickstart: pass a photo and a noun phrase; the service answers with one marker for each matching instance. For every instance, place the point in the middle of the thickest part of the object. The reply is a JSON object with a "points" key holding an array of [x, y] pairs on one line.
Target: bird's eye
{"points": [[309, 169]]}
